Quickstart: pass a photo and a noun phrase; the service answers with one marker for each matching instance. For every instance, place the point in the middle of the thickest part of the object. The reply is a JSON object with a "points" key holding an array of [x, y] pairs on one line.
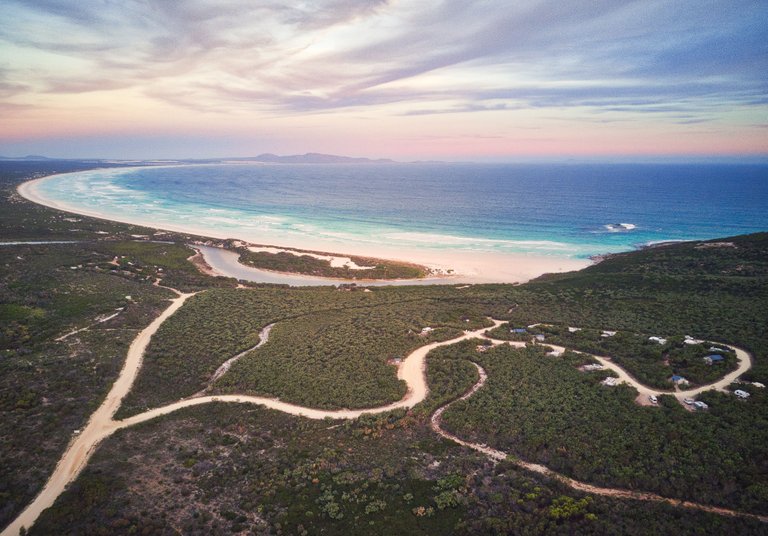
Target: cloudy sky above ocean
{"points": [[485, 80]]}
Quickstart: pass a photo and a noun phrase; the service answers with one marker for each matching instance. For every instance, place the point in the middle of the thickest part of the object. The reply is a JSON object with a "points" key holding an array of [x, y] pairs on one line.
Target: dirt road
{"points": [[497, 455], [412, 370], [99, 426], [102, 425], [743, 357]]}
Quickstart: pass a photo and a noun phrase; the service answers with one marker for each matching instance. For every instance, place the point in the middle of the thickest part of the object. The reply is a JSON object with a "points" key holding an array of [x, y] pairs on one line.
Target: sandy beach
{"points": [[462, 265]]}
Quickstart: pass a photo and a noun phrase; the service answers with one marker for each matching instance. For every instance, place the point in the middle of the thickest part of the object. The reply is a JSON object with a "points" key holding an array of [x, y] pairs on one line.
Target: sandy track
{"points": [[99, 426], [617, 493], [742, 356], [412, 370], [88, 327], [224, 368]]}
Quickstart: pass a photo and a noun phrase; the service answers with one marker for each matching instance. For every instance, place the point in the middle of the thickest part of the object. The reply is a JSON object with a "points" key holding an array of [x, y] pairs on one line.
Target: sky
{"points": [[420, 79]]}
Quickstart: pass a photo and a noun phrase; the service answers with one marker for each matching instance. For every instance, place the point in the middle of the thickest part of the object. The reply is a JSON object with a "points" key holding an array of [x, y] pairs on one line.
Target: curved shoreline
{"points": [[464, 265], [216, 258], [101, 424]]}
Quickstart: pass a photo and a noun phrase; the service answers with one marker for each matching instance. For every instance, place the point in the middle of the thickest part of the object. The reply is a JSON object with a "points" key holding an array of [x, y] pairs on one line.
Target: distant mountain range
{"points": [[29, 157], [315, 158], [307, 158]]}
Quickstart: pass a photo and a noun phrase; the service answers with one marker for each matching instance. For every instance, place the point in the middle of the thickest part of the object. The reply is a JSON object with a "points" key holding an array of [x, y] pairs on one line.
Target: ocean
{"points": [[566, 210]]}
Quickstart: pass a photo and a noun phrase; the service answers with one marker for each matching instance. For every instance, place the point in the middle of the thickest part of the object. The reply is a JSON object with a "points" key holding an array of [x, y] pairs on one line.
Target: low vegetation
{"points": [[49, 387], [229, 468], [50, 382], [542, 409], [329, 349], [706, 290], [301, 263], [651, 363]]}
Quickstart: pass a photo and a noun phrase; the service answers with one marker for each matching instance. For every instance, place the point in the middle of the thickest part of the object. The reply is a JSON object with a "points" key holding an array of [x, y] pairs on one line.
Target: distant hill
{"points": [[28, 158], [316, 158], [307, 158]]}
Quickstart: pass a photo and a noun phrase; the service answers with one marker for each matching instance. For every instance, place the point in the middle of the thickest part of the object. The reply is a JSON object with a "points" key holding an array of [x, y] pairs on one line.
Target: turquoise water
{"points": [[559, 210]]}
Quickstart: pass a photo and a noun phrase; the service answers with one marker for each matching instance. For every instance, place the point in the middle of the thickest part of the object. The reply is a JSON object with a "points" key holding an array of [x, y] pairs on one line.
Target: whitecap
{"points": [[619, 227]]}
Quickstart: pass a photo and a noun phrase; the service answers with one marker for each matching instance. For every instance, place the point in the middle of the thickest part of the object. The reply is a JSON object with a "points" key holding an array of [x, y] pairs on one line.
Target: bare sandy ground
{"points": [[336, 261], [411, 371], [201, 264], [224, 368], [86, 328]]}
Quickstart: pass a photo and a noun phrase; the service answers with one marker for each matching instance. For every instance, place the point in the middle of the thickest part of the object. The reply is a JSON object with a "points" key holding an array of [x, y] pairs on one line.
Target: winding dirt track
{"points": [[86, 328], [99, 426], [497, 455], [224, 368], [412, 370], [742, 356]]}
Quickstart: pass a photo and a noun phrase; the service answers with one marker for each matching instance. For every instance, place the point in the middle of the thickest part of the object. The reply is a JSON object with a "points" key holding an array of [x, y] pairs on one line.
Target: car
{"points": [[653, 399], [700, 405], [688, 401]]}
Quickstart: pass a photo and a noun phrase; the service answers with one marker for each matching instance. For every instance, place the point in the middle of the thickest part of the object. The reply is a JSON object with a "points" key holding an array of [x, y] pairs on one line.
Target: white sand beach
{"points": [[459, 265]]}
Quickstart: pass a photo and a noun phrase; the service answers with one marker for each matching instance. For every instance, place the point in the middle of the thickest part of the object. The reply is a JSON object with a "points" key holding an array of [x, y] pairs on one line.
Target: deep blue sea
{"points": [[570, 210]]}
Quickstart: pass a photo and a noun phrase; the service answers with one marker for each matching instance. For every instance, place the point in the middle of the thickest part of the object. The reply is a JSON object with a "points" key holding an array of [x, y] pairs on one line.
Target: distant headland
{"points": [[266, 158]]}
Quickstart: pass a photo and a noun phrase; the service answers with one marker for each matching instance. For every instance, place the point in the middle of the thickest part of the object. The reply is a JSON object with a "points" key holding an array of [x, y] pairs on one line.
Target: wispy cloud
{"points": [[467, 108], [396, 59]]}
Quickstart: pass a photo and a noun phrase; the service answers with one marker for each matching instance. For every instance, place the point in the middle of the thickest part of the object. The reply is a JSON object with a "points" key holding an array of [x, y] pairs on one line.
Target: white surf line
{"points": [[99, 426], [86, 328], [616, 493]]}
